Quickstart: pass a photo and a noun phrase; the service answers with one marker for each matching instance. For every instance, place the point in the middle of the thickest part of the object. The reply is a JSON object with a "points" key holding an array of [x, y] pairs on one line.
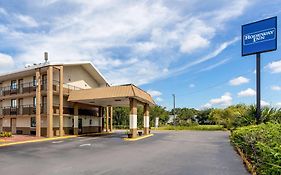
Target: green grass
{"points": [[196, 127]]}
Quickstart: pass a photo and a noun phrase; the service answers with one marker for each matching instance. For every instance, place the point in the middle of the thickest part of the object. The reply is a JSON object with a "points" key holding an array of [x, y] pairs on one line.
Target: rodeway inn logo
{"points": [[259, 36]]}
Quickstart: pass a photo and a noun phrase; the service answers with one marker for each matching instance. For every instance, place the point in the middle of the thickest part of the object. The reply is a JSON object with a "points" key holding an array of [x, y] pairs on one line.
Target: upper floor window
{"points": [[34, 81], [13, 103], [34, 101], [13, 84]]}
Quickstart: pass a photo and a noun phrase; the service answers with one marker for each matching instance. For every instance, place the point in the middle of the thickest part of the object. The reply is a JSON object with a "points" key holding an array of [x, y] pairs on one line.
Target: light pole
{"points": [[174, 112]]}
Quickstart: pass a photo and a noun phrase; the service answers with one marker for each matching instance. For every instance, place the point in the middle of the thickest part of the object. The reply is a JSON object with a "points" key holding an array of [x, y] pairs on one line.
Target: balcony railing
{"points": [[30, 87], [31, 110], [20, 110]]}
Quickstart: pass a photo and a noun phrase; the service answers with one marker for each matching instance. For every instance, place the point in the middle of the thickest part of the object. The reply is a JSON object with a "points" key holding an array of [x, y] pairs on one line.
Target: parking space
{"points": [[167, 152]]}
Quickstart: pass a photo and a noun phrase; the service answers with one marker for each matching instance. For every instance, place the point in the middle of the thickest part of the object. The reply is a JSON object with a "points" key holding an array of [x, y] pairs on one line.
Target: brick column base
{"points": [[134, 132], [75, 131], [146, 131]]}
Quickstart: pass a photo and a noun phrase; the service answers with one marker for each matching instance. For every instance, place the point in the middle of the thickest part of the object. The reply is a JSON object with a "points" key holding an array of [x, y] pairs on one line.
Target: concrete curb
{"points": [[248, 165], [48, 139], [138, 138]]}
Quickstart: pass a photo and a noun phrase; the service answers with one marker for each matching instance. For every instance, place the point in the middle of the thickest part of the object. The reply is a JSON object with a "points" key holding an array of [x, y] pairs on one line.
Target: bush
{"points": [[5, 134], [262, 146]]}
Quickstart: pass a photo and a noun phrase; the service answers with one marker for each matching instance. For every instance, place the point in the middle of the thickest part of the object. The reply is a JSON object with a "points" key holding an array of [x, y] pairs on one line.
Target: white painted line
{"points": [[87, 144], [57, 141], [86, 139]]}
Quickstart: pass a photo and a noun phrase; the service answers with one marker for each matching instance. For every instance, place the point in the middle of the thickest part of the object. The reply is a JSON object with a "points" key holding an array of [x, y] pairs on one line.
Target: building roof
{"points": [[87, 65], [113, 96]]}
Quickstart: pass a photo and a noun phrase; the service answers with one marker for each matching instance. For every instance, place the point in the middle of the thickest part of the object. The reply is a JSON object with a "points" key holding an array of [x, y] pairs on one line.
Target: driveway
{"points": [[167, 152]]}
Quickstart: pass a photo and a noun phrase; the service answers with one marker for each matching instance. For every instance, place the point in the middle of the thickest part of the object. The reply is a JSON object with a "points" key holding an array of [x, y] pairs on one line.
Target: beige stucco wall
{"points": [[86, 121], [6, 122], [23, 121], [79, 77]]}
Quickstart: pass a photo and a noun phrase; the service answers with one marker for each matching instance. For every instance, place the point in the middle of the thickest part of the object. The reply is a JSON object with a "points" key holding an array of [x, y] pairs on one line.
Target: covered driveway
{"points": [[116, 96]]}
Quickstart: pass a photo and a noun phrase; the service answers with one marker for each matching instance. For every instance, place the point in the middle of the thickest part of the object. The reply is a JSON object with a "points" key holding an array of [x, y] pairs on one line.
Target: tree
{"points": [[161, 112]]}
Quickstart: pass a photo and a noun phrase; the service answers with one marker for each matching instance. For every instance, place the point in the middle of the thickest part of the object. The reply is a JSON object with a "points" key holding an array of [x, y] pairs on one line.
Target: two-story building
{"points": [[54, 99]]}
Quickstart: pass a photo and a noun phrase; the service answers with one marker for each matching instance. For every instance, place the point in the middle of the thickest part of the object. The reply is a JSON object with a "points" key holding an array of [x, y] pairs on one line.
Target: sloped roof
{"points": [[111, 94], [87, 65]]}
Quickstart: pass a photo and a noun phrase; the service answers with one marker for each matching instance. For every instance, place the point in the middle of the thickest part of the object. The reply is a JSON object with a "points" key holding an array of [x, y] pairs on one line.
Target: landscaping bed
{"points": [[261, 145]]}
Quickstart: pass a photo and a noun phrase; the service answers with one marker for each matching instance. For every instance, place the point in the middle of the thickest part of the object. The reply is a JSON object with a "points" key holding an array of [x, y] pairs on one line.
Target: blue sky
{"points": [[187, 47]]}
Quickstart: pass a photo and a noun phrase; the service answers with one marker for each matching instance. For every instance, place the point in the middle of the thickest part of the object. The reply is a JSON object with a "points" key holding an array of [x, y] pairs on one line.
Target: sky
{"points": [[190, 48]]}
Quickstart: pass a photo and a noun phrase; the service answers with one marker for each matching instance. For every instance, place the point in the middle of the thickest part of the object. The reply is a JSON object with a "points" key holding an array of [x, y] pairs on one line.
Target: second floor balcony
{"points": [[31, 110], [30, 87]]}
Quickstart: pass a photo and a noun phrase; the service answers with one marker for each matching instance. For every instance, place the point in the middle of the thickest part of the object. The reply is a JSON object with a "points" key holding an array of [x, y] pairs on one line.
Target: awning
{"points": [[111, 96]]}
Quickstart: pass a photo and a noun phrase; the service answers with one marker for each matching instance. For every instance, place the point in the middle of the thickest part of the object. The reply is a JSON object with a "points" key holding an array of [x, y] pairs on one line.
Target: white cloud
{"points": [[193, 42], [276, 88], [154, 93], [146, 46], [247, 93], [206, 106], [274, 67], [159, 99], [264, 103], [224, 100], [121, 37], [191, 85], [214, 65], [238, 81], [278, 105], [27, 20], [6, 61], [207, 57]]}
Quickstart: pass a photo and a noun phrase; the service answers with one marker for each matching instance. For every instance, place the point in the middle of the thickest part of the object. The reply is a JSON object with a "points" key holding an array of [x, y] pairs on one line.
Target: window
{"points": [[13, 84], [13, 103], [34, 102], [32, 122], [90, 122], [34, 81]]}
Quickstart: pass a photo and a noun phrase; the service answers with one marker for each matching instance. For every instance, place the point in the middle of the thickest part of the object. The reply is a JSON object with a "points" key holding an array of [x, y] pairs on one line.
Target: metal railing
{"points": [[30, 87]]}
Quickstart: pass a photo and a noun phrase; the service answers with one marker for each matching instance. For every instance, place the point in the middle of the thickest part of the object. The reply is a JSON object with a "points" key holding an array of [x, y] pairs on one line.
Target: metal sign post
{"points": [[258, 86], [259, 37]]}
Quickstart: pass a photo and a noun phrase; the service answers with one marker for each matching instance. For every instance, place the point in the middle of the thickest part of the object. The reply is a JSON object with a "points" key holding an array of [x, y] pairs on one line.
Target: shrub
{"points": [[5, 134], [262, 146]]}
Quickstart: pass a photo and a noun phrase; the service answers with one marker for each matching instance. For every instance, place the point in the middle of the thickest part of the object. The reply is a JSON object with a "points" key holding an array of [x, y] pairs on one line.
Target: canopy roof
{"points": [[111, 96]]}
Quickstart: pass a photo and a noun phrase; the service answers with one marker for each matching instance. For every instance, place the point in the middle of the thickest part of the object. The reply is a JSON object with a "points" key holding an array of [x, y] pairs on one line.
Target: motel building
{"points": [[57, 99]]}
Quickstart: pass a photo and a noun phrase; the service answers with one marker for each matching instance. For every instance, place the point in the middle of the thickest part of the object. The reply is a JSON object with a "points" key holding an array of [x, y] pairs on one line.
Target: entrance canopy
{"points": [[111, 96]]}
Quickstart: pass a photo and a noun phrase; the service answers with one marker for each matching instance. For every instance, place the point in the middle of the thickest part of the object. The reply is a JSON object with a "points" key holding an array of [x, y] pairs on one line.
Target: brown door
{"points": [[13, 126], [20, 106], [20, 86], [1, 124]]}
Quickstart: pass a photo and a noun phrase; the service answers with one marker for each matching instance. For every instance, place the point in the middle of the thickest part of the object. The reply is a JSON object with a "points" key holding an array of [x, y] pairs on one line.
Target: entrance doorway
{"points": [[80, 127], [13, 125]]}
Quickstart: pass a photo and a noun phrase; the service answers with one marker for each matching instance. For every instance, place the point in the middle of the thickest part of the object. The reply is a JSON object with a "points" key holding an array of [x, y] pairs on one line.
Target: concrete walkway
{"points": [[167, 152]]}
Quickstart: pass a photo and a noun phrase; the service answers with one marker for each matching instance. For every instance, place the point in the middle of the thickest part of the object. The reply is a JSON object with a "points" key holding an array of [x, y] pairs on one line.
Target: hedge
{"points": [[5, 134], [262, 146]]}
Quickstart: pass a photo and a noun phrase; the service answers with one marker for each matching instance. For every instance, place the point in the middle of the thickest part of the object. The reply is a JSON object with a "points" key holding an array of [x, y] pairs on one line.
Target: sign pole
{"points": [[258, 77]]}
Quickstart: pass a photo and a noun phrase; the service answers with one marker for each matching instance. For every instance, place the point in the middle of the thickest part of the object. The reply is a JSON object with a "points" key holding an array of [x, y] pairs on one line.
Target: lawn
{"points": [[196, 127]]}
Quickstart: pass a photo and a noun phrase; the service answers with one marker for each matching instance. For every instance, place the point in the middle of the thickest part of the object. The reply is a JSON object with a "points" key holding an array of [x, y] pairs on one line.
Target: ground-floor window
{"points": [[32, 122]]}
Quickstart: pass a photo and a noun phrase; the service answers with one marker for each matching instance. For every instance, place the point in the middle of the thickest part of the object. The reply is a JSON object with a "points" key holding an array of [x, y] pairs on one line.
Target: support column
{"points": [[102, 120], [107, 120], [111, 118], [146, 119], [50, 132], [75, 119], [38, 103], [61, 102], [133, 117]]}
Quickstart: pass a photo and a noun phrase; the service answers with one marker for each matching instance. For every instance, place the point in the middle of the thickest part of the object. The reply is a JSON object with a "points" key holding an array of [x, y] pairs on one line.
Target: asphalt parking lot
{"points": [[167, 152]]}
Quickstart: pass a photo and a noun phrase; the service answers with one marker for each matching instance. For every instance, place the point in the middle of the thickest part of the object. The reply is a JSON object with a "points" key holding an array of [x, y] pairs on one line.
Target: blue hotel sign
{"points": [[260, 36]]}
